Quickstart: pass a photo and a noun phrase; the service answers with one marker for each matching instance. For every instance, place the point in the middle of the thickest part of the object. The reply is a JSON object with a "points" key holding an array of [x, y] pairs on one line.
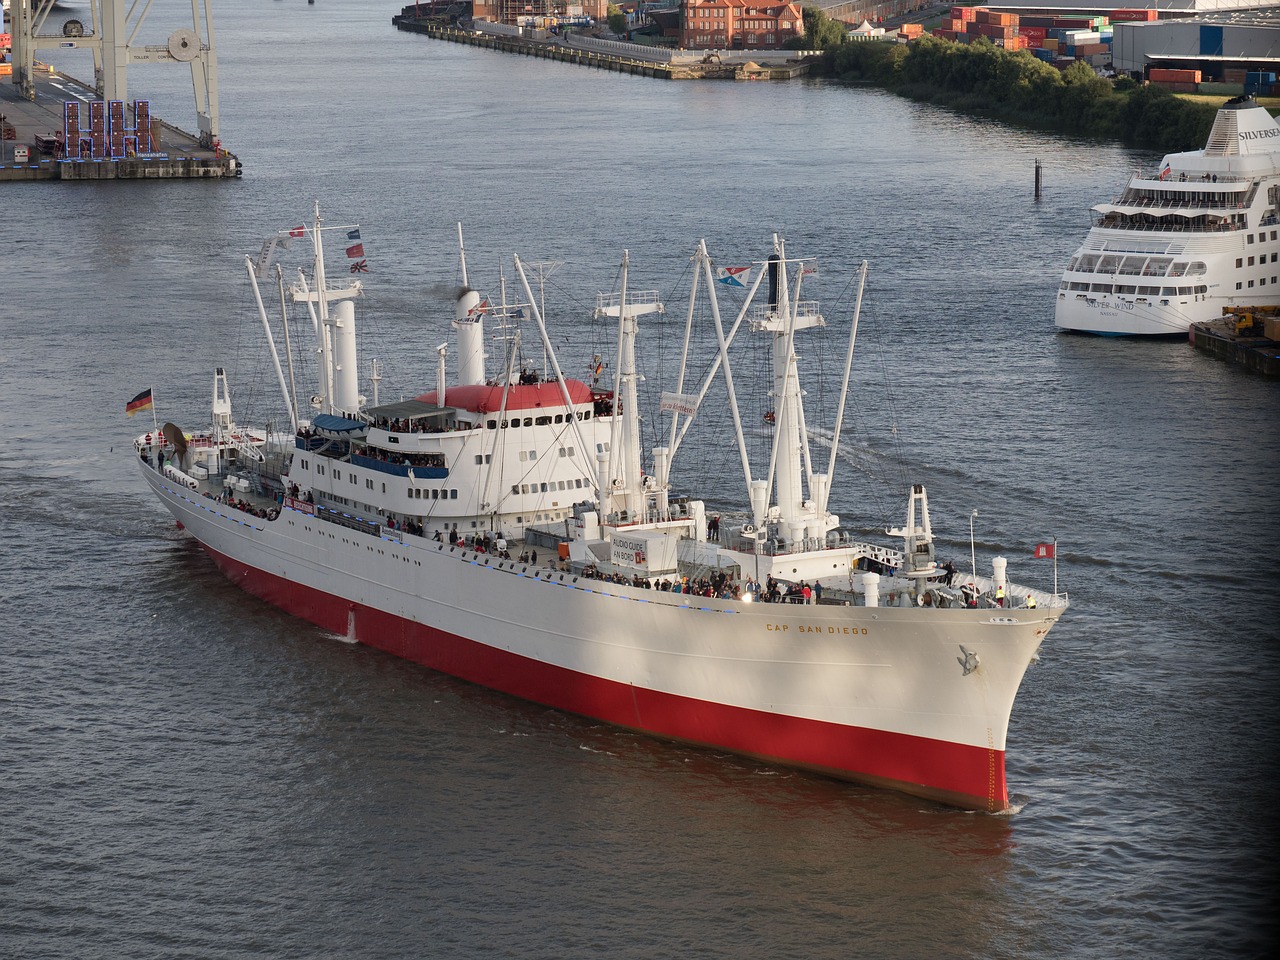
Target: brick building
{"points": [[738, 24], [517, 11]]}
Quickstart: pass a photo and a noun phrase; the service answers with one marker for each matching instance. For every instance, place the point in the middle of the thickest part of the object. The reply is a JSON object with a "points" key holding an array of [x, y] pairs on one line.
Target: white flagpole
{"points": [[1055, 568], [154, 422]]}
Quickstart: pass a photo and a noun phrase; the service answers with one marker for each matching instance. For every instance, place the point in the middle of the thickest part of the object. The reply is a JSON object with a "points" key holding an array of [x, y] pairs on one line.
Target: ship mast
{"points": [[625, 488], [335, 332]]}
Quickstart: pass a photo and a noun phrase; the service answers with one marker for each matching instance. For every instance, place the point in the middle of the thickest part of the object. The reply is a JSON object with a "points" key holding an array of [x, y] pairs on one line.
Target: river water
{"points": [[188, 772]]}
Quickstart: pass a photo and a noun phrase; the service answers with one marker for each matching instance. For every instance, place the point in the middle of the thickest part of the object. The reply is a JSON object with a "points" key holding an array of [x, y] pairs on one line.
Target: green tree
{"points": [[983, 79], [616, 19], [820, 32]]}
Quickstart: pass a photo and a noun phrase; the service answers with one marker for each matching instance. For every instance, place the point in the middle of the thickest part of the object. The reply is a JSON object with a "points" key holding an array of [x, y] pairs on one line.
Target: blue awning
{"points": [[338, 428]]}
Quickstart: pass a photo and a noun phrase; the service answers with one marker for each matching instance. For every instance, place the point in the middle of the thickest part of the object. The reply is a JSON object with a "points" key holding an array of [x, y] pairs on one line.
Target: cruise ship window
{"points": [[1251, 283], [1239, 261], [1273, 234], [1273, 258], [528, 421], [1251, 261], [1238, 286], [1250, 238]]}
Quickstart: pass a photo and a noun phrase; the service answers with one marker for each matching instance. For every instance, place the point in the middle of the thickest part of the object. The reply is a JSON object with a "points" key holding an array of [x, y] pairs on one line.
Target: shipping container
{"points": [[1132, 16], [989, 30], [1222, 89], [1165, 75]]}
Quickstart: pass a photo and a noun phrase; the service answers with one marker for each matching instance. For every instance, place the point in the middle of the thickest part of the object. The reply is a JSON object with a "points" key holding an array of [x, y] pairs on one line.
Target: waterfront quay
{"points": [[620, 57], [35, 128], [1247, 337]]}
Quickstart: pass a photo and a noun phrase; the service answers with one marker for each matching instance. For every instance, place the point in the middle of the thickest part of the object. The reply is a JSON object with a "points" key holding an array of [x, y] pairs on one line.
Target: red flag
{"points": [[1045, 551], [355, 251], [298, 231]]}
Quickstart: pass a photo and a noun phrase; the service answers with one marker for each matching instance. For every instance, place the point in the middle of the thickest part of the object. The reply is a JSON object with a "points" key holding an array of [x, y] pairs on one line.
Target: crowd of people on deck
{"points": [[409, 425], [402, 459], [243, 505]]}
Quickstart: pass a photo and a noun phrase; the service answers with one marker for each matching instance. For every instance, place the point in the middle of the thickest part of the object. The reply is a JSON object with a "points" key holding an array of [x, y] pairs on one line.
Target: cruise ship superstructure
{"points": [[1184, 241]]}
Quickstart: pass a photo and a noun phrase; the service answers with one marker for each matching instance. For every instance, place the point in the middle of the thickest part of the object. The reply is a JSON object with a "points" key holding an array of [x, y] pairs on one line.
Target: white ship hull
{"points": [[873, 695]]}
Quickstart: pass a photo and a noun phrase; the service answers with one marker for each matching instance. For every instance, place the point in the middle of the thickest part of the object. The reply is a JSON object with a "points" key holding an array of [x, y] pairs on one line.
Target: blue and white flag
{"points": [[353, 234]]}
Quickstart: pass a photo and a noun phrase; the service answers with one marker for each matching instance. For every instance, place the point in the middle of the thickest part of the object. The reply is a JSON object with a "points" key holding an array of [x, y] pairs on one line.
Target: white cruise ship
{"points": [[1184, 241]]}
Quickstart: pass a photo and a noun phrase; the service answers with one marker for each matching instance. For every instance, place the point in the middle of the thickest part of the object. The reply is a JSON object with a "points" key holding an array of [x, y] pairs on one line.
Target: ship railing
{"points": [[1108, 222], [1159, 181], [1179, 203], [350, 522]]}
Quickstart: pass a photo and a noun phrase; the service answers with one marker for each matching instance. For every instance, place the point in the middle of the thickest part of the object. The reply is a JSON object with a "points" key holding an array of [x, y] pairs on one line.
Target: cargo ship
{"points": [[504, 528], [1184, 241]]}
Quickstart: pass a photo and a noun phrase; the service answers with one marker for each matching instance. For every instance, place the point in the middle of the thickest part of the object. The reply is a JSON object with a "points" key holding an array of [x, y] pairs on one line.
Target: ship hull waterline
{"points": [[942, 768]]}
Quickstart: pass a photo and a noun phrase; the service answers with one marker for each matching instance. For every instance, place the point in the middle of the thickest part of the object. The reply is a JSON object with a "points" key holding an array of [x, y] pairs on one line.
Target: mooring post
{"points": [[1038, 178]]}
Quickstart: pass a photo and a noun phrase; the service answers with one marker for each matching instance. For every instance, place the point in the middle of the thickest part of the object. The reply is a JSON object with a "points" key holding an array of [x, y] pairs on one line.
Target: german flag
{"points": [[141, 402]]}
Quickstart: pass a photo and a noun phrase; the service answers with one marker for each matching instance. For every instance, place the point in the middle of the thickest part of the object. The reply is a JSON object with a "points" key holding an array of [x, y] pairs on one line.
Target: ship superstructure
{"points": [[1199, 234]]}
